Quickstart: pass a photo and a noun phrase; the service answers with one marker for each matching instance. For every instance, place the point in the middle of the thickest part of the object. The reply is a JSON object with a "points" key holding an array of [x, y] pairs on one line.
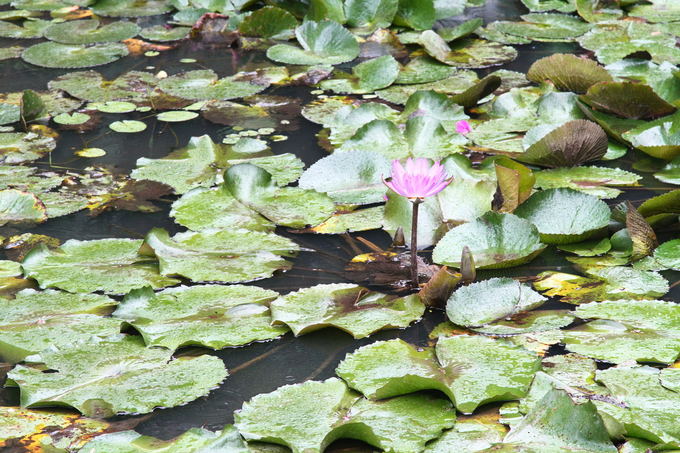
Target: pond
{"points": [[567, 339]]}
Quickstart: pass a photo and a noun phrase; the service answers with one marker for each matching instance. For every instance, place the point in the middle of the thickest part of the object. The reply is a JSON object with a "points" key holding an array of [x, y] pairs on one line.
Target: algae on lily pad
{"points": [[495, 241], [354, 177], [16, 147], [88, 31], [288, 206], [216, 208], [349, 307], [324, 42], [112, 266], [57, 55], [470, 370], [36, 320], [494, 300], [219, 255], [565, 216], [213, 316], [308, 417], [119, 374]]}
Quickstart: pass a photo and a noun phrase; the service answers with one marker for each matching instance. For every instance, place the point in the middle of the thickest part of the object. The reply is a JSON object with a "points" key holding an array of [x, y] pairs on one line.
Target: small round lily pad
{"points": [[90, 152], [176, 116], [74, 118], [128, 126]]}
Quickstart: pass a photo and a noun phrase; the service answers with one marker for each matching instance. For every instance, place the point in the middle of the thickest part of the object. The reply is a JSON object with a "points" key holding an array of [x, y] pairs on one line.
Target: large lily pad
{"points": [[349, 177], [308, 417], [205, 85], [88, 31], [132, 86], [565, 215], [568, 72], [34, 321], [651, 410], [468, 369], [268, 22], [349, 307], [466, 53], [57, 55], [660, 138], [624, 330], [219, 255], [470, 434], [558, 424], [366, 77], [213, 316], [16, 148], [20, 207], [216, 208], [288, 206], [495, 240], [657, 11], [602, 182], [495, 299], [109, 265], [545, 27], [104, 377], [628, 100], [324, 42]]}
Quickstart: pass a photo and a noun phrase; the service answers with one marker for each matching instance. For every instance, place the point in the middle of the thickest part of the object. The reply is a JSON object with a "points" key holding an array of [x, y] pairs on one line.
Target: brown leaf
{"points": [[640, 232]]}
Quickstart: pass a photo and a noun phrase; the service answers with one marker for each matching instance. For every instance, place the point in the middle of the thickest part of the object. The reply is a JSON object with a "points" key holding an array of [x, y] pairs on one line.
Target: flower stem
{"points": [[414, 244]]}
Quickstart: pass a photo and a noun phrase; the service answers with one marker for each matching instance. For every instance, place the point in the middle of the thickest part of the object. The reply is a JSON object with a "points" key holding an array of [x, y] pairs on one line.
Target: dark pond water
{"points": [[261, 367]]}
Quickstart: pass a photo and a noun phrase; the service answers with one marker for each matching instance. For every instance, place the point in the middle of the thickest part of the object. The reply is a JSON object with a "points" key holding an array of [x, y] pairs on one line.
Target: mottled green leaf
{"points": [[57, 55]]}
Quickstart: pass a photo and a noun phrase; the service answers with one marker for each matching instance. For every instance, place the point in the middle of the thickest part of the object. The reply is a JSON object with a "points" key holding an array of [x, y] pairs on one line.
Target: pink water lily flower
{"points": [[417, 179], [463, 127]]}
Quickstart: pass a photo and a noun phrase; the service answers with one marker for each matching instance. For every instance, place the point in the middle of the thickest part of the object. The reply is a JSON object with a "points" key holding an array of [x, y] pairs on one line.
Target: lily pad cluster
{"points": [[538, 162]]}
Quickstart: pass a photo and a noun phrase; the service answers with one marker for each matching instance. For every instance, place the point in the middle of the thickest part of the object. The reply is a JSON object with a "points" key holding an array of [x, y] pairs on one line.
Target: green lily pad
{"points": [[349, 307], [205, 85], [160, 33], [593, 247], [176, 116], [624, 330], [558, 424], [565, 6], [138, 382], [551, 27], [466, 53], [458, 82], [310, 416], [113, 106], [268, 22], [74, 118], [324, 42], [660, 138], [16, 147], [366, 77], [213, 316], [495, 240], [657, 11], [193, 440], [7, 53], [568, 72], [565, 215], [34, 321], [574, 143], [216, 208], [31, 28], [88, 31], [423, 69], [496, 299], [668, 254], [596, 181], [288, 206], [614, 40], [618, 98], [351, 177], [220, 255], [128, 126], [57, 55], [522, 325], [650, 408], [112, 266], [131, 8], [370, 14], [468, 369], [132, 86], [20, 207], [667, 203]]}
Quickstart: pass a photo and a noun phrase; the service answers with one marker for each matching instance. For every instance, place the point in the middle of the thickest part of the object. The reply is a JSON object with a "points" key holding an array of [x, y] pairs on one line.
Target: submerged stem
{"points": [[414, 243]]}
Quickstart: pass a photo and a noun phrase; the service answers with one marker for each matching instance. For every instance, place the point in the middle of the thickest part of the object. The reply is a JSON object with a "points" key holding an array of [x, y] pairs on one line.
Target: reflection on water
{"points": [[259, 367]]}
